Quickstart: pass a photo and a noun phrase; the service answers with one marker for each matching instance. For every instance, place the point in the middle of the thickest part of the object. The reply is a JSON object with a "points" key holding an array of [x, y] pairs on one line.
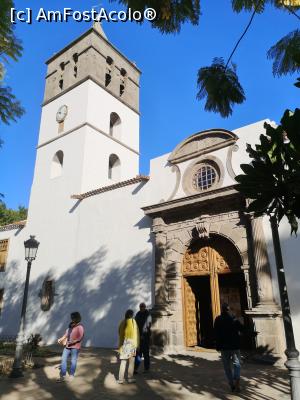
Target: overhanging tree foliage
{"points": [[272, 179], [10, 49], [171, 14], [220, 86], [8, 215]]}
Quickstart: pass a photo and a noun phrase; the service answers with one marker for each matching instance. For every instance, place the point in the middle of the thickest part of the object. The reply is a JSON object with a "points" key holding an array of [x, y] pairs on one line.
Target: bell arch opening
{"points": [[212, 274]]}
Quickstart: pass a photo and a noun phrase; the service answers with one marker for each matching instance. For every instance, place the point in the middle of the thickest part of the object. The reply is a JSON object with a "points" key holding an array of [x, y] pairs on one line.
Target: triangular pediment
{"points": [[202, 143]]}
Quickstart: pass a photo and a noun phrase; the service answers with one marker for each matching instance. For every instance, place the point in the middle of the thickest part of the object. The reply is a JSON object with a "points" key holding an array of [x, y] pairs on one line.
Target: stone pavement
{"points": [[188, 376]]}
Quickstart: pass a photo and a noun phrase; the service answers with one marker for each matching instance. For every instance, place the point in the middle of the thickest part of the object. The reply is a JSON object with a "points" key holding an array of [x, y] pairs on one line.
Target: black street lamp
{"points": [[292, 354], [31, 247]]}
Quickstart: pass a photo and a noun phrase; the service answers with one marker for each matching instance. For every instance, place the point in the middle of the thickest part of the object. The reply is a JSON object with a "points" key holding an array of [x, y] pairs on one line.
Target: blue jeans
{"points": [[64, 359], [231, 358]]}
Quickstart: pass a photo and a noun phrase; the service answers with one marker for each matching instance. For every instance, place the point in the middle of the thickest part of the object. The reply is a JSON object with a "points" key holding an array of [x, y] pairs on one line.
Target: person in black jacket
{"points": [[227, 332], [144, 320]]}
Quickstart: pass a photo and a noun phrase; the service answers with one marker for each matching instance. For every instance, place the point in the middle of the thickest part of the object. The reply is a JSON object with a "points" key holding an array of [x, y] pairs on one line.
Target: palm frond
{"points": [[248, 5], [2, 72], [170, 14], [286, 54], [10, 107], [10, 45], [220, 86]]}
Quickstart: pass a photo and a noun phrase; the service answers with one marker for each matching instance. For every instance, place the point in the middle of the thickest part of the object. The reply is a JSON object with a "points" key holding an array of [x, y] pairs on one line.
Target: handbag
{"points": [[63, 342]]}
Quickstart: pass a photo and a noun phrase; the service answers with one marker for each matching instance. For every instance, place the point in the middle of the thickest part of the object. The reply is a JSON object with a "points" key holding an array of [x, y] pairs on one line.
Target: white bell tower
{"points": [[89, 133]]}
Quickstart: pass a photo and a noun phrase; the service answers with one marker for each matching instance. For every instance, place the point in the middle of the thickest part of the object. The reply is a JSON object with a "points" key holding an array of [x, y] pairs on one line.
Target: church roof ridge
{"points": [[117, 185], [14, 225], [97, 26]]}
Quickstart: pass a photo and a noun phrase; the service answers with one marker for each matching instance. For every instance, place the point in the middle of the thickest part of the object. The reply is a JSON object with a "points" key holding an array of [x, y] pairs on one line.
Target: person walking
{"points": [[144, 321], [71, 341], [128, 344], [227, 332]]}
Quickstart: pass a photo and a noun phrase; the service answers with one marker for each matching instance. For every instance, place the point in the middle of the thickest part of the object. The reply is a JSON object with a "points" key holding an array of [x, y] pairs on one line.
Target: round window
{"points": [[204, 178]]}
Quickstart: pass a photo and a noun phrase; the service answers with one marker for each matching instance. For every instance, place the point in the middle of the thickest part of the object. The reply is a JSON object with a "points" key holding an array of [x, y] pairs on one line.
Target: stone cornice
{"points": [[139, 178], [94, 128], [197, 199], [97, 82]]}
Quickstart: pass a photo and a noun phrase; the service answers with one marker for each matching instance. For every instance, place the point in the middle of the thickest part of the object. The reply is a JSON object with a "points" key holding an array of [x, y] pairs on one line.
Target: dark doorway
{"points": [[231, 291], [201, 288]]}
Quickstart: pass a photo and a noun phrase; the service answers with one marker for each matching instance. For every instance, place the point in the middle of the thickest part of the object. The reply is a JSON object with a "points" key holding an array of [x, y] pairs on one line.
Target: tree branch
{"points": [[291, 11], [244, 33]]}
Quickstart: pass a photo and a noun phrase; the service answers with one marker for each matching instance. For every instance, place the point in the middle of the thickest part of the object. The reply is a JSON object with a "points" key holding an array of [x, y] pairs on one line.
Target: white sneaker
{"points": [[120, 382], [71, 378], [131, 380]]}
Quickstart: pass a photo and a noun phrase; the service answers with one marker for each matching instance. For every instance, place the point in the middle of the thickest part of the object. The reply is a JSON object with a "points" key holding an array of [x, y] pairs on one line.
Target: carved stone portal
{"points": [[211, 247]]}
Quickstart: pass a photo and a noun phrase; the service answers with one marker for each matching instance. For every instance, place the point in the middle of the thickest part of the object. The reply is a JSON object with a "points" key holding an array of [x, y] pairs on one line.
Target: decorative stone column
{"points": [[266, 314], [159, 332], [265, 295], [159, 231]]}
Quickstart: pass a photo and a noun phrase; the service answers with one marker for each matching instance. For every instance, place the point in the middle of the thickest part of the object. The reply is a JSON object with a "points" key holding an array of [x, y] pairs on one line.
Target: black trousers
{"points": [[143, 352]]}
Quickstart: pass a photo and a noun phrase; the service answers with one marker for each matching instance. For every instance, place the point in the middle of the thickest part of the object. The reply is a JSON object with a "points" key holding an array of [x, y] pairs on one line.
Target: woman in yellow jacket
{"points": [[128, 344]]}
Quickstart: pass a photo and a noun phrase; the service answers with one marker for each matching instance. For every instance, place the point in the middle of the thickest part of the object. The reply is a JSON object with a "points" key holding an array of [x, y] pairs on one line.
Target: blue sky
{"points": [[169, 64]]}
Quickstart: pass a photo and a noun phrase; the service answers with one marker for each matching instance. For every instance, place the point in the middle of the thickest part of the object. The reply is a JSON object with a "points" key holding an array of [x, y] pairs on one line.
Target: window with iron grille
{"points": [[3, 253], [204, 178]]}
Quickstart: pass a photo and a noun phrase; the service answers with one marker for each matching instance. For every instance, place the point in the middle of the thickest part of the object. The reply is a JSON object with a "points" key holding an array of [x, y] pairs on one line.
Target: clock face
{"points": [[61, 113]]}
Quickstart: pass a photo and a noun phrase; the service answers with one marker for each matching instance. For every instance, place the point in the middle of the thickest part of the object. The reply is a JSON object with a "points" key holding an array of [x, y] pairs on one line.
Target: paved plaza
{"points": [[188, 376]]}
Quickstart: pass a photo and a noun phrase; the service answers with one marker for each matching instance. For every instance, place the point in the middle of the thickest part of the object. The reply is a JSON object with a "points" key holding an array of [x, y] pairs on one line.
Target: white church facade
{"points": [[178, 239]]}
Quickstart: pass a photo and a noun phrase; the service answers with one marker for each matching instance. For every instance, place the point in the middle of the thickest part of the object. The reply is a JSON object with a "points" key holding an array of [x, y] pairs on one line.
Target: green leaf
{"points": [[260, 205], [272, 179], [291, 125]]}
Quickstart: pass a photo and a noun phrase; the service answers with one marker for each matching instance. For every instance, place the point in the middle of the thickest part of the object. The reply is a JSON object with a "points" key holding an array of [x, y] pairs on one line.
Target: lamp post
{"points": [[292, 354], [31, 246]]}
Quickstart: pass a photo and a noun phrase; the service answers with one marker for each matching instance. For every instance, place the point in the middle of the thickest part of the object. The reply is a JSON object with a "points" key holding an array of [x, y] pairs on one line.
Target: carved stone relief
{"points": [[202, 143]]}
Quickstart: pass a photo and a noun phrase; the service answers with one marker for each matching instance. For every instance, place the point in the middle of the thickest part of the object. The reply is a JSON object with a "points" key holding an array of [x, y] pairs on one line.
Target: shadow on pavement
{"points": [[176, 377]]}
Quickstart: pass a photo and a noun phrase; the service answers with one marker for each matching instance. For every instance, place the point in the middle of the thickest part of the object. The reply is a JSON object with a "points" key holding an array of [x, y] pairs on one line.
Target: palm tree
{"points": [[272, 184], [10, 49]]}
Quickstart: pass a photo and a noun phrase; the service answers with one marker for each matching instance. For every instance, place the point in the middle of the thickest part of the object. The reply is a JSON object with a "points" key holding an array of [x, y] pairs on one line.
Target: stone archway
{"points": [[173, 234], [211, 275]]}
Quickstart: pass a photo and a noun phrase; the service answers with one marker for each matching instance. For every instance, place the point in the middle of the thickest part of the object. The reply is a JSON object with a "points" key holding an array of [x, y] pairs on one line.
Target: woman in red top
{"points": [[72, 342]]}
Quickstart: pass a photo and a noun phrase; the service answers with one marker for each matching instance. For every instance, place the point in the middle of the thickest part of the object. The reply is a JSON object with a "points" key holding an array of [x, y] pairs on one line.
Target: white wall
{"points": [[85, 246], [76, 100], [247, 134], [289, 247], [99, 253], [97, 149], [12, 280], [101, 104]]}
